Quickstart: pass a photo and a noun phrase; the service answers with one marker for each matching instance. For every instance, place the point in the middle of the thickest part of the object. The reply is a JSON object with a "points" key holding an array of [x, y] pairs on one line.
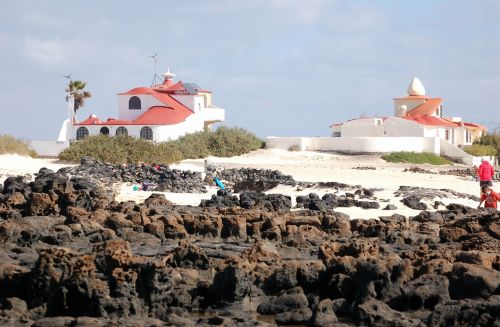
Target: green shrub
{"points": [[193, 146], [481, 150], [225, 142], [9, 144], [492, 140], [122, 149], [229, 142], [416, 158]]}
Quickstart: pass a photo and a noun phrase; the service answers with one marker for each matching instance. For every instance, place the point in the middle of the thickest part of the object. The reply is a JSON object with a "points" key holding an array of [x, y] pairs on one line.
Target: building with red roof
{"points": [[415, 115], [161, 112]]}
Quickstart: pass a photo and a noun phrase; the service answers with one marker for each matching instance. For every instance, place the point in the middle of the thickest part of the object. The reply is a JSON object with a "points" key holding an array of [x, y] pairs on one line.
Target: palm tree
{"points": [[76, 90]]}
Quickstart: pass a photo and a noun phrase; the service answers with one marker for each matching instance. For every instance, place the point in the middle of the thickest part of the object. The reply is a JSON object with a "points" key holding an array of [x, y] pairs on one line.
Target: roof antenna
{"points": [[155, 59], [70, 99]]}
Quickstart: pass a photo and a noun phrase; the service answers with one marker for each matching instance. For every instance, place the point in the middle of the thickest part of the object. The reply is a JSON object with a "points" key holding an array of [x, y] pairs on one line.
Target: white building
{"points": [[415, 115], [162, 112]]}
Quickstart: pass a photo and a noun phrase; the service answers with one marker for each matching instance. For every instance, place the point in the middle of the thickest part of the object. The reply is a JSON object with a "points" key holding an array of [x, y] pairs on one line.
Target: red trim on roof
{"points": [[474, 126], [427, 108], [431, 121]]}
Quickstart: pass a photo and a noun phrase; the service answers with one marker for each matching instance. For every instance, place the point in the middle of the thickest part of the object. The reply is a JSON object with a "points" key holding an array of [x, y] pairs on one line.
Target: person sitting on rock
{"points": [[489, 197], [148, 186]]}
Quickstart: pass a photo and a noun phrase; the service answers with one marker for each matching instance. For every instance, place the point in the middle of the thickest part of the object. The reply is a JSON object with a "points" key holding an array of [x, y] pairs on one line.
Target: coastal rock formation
{"points": [[72, 256]]}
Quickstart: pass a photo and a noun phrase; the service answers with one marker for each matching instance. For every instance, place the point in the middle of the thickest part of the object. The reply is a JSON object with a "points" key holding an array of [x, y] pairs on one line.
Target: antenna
{"points": [[155, 59], [71, 100]]}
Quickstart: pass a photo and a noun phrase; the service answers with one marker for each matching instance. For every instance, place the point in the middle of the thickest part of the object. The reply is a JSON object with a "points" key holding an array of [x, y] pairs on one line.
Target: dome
{"points": [[416, 87]]}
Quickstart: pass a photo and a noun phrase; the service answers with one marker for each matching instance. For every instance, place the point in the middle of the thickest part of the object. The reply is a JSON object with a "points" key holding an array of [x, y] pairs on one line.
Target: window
{"points": [[121, 131], [134, 103], [468, 137], [104, 131], [81, 133], [447, 134], [146, 133]]}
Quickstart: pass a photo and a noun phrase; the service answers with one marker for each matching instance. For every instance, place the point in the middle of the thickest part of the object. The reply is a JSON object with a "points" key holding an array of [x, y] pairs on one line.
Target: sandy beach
{"points": [[369, 171]]}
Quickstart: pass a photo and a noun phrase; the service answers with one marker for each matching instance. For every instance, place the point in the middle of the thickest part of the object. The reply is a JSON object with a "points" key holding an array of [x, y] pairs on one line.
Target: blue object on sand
{"points": [[219, 183]]}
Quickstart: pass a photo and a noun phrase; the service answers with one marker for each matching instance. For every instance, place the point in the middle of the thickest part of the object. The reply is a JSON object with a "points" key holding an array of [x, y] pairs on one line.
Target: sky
{"points": [[278, 67]]}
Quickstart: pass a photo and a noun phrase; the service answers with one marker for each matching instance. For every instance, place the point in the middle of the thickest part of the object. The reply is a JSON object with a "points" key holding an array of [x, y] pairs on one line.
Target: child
{"points": [[489, 197]]}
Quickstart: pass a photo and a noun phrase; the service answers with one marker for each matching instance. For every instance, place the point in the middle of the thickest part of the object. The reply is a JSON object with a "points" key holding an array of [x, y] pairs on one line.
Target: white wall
{"points": [[187, 100], [372, 127], [48, 148], [394, 126], [356, 144], [409, 103], [362, 127], [147, 101], [193, 123]]}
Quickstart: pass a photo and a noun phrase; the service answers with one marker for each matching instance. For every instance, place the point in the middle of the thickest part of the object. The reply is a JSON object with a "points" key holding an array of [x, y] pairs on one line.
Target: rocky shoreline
{"points": [[72, 256]]}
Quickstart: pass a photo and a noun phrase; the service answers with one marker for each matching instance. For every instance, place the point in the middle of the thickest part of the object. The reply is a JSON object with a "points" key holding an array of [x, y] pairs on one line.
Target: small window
{"points": [[146, 133], [104, 131], [81, 133], [447, 135], [134, 103], [121, 131]]}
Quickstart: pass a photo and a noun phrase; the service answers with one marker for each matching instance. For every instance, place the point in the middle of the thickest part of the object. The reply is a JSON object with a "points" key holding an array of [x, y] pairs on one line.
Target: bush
{"points": [[416, 158], [121, 149], [9, 144], [225, 142], [229, 142], [492, 140], [480, 150], [194, 146]]}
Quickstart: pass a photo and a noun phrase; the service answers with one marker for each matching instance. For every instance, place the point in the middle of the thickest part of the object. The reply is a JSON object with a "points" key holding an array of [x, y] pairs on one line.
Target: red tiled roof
{"points": [[173, 112], [138, 90], [177, 88], [474, 126], [92, 120], [412, 97], [431, 121], [162, 116], [171, 102], [427, 108]]}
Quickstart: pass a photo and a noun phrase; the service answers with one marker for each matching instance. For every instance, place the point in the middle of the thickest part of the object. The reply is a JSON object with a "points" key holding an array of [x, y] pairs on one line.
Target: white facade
{"points": [[415, 115], [163, 112]]}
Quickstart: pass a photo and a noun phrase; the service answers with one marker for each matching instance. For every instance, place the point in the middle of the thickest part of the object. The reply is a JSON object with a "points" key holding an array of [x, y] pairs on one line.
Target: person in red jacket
{"points": [[489, 197], [485, 172]]}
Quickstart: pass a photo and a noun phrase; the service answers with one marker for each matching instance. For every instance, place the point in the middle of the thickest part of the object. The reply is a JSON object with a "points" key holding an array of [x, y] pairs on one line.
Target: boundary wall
{"points": [[48, 148], [382, 144], [356, 144]]}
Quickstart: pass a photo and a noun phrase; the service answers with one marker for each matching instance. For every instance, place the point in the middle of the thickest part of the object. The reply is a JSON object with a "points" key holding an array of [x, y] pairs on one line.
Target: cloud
{"points": [[47, 52]]}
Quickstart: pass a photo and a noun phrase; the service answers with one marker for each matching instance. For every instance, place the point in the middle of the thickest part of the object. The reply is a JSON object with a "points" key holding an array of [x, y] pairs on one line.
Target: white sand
{"points": [[14, 165], [327, 167], [303, 166]]}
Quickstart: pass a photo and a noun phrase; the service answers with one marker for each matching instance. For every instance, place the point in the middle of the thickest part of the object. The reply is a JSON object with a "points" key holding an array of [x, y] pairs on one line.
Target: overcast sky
{"points": [[278, 67]]}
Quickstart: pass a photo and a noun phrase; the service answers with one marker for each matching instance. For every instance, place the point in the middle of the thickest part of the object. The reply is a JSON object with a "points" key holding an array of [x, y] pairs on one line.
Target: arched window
{"points": [[121, 131], [134, 103], [104, 131], [81, 133], [146, 133]]}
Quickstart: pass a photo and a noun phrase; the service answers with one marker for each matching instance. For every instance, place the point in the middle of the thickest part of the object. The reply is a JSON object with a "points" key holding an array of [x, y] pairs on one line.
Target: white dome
{"points": [[416, 87]]}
